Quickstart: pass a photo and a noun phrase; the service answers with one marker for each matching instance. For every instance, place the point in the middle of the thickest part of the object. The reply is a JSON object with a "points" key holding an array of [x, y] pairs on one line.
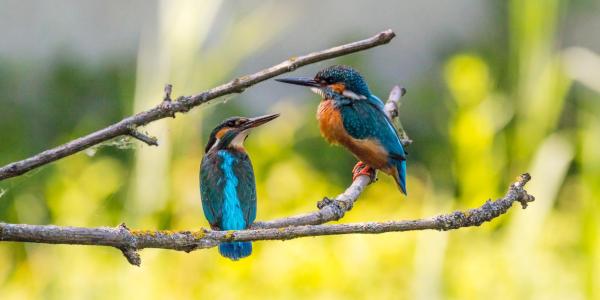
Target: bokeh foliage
{"points": [[484, 115]]}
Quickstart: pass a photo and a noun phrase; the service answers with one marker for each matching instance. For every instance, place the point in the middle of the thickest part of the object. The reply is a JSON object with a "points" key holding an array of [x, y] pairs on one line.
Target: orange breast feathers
{"points": [[332, 128]]}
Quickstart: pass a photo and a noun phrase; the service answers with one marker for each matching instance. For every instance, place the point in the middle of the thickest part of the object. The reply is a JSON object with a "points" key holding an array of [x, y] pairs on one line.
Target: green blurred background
{"points": [[495, 88]]}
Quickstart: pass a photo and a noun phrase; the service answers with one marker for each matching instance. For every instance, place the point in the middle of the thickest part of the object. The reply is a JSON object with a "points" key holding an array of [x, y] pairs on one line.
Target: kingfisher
{"points": [[227, 184], [351, 116]]}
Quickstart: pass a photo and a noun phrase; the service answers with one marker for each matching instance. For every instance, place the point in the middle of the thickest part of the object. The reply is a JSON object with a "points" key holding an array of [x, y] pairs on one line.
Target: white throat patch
{"points": [[238, 140], [352, 95], [214, 145], [318, 91], [346, 93]]}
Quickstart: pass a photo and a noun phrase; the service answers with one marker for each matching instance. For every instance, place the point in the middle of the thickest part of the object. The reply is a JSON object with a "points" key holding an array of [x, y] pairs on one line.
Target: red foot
{"points": [[363, 169]]}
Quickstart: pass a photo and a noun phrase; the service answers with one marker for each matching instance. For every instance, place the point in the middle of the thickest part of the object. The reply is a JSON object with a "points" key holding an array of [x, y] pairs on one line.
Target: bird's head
{"points": [[232, 132], [335, 81]]}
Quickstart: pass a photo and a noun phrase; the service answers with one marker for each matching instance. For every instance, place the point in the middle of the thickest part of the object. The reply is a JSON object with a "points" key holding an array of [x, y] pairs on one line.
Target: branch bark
{"points": [[150, 141], [130, 241], [329, 210], [185, 103]]}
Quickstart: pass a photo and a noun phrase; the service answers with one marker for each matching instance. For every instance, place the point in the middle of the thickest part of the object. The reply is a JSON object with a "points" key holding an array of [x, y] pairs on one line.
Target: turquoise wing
{"points": [[246, 189], [212, 185], [376, 101], [364, 120]]}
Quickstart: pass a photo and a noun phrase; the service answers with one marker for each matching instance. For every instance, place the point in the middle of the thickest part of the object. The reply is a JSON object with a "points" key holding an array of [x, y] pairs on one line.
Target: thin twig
{"points": [[333, 210], [185, 103], [392, 108], [134, 240], [168, 90], [150, 141]]}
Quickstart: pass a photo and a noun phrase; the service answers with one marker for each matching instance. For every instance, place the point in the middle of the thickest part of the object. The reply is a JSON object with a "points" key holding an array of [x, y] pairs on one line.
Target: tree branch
{"points": [[329, 210], [185, 103], [392, 109], [150, 141], [130, 241]]}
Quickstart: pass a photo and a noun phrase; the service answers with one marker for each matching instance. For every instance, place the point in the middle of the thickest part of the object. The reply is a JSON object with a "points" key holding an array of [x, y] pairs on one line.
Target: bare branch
{"points": [[134, 240], [129, 250], [168, 90], [185, 103], [150, 141], [130, 241], [392, 109], [332, 210]]}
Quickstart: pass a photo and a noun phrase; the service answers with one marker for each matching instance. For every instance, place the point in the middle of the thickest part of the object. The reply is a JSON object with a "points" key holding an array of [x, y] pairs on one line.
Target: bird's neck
{"points": [[337, 99], [342, 97], [235, 150], [237, 142]]}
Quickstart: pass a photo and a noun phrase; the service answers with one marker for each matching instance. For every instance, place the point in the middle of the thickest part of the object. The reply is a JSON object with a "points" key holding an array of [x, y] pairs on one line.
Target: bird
{"points": [[350, 115], [227, 183]]}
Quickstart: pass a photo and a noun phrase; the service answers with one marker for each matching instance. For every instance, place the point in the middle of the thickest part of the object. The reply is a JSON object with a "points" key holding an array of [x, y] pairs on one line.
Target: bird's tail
{"points": [[400, 175], [235, 250]]}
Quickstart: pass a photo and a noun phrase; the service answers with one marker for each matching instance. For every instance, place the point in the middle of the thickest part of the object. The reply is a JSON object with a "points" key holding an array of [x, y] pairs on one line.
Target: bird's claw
{"points": [[363, 169]]}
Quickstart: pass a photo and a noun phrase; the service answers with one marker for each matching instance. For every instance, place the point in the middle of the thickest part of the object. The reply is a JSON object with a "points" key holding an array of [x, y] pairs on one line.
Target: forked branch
{"points": [[310, 224], [183, 104], [130, 241]]}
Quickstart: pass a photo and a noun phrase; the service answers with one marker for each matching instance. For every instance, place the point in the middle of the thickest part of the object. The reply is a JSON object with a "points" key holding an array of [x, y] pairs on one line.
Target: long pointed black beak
{"points": [[257, 121], [300, 81]]}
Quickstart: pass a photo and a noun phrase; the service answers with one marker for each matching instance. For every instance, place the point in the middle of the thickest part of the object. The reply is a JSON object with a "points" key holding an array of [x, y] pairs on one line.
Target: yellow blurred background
{"points": [[494, 89]]}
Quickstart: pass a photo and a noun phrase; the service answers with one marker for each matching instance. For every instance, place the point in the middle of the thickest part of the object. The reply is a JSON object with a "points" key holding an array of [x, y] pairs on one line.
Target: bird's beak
{"points": [[300, 81], [257, 121]]}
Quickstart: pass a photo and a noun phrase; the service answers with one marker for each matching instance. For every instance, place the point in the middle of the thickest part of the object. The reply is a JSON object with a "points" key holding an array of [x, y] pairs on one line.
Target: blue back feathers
{"points": [[228, 193], [233, 217]]}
